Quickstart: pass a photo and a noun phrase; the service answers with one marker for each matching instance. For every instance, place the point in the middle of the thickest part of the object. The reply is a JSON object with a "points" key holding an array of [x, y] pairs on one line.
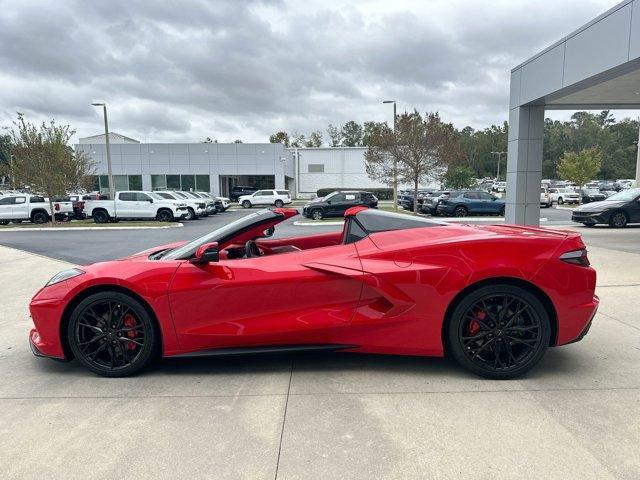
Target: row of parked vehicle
{"points": [[456, 203], [163, 206]]}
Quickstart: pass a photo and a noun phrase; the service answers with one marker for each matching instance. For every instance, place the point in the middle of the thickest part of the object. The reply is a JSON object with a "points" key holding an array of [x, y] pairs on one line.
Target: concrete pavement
{"points": [[577, 415]]}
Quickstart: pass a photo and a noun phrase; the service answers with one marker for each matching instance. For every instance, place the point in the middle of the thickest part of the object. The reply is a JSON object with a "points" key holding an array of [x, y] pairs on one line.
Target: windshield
{"points": [[591, 191], [332, 194], [565, 190], [221, 234], [155, 195], [625, 196], [180, 195]]}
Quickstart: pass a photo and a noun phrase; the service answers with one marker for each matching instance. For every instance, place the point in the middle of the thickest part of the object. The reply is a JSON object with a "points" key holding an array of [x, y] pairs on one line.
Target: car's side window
{"points": [[350, 196], [127, 197], [142, 197], [471, 195], [19, 200], [339, 197], [261, 193], [354, 232], [485, 196], [7, 201]]}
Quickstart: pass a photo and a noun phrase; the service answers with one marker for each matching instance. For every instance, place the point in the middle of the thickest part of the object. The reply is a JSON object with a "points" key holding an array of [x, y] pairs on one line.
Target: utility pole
{"points": [[637, 185], [395, 161], [112, 193]]}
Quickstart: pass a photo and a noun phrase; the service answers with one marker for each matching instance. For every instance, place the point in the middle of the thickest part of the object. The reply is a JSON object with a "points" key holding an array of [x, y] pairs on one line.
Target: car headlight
{"points": [[64, 275]]}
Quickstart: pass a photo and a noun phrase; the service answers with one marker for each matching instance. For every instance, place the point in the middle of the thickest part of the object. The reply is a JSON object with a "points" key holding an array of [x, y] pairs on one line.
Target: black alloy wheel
{"points": [[100, 217], [618, 219], [460, 211], [317, 214], [164, 216], [499, 331], [112, 334]]}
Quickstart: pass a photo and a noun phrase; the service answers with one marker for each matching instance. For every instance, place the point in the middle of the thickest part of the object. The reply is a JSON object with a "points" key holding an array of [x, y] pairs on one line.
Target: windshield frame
{"points": [[222, 234]]}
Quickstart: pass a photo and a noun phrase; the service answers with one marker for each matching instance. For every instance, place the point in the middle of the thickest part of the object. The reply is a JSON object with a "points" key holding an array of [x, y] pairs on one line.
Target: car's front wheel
{"points": [[112, 334], [618, 220], [499, 331], [460, 211], [164, 215], [191, 214], [279, 204], [40, 218], [246, 204], [317, 214], [560, 200]]}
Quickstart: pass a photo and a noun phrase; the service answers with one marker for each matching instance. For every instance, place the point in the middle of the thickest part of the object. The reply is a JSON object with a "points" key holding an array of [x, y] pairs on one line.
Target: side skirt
{"points": [[262, 350]]}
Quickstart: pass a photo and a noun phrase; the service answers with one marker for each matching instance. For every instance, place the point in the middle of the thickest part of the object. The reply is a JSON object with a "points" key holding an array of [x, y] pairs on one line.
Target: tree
{"points": [[422, 147], [371, 129], [298, 140], [580, 167], [335, 135], [208, 140], [280, 137], [237, 140], [459, 176], [5, 158], [314, 140], [379, 162], [352, 134], [43, 159]]}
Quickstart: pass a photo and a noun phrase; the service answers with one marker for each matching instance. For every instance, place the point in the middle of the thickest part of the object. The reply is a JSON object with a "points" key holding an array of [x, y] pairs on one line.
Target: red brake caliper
{"points": [[130, 322], [474, 326]]}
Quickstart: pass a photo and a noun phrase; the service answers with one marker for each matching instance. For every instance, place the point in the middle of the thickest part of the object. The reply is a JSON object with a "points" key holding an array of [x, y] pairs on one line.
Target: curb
{"points": [[80, 229]]}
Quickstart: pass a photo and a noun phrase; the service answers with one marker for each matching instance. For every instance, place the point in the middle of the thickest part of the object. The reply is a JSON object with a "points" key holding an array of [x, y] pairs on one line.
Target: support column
{"points": [[524, 165]]}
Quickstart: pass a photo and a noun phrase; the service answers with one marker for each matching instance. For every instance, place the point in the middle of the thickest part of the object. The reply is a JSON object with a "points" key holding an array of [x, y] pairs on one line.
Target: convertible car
{"points": [[492, 297]]}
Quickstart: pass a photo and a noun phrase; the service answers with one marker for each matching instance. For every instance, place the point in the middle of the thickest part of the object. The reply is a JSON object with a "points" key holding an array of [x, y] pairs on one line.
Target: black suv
{"points": [[336, 203], [239, 190]]}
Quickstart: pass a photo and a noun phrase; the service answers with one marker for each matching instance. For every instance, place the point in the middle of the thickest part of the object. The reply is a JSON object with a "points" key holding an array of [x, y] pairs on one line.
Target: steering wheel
{"points": [[251, 249]]}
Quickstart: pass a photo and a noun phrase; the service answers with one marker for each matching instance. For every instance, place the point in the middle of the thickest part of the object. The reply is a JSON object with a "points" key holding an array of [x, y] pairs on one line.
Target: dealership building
{"points": [[217, 167]]}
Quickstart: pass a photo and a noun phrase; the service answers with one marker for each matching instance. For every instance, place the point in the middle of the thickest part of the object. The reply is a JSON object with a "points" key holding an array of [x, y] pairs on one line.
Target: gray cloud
{"points": [[180, 71]]}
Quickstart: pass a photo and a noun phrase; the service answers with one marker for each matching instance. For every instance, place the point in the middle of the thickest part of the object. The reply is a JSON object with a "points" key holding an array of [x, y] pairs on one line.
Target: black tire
{"points": [[112, 334], [316, 214], [518, 338], [460, 211], [560, 201], [246, 204], [100, 216], [164, 215], [40, 217], [5, 222], [279, 204], [618, 219], [191, 214], [502, 210]]}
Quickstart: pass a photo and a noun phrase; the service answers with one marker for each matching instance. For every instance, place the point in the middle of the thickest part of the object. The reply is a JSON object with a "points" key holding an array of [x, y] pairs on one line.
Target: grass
{"points": [[86, 223]]}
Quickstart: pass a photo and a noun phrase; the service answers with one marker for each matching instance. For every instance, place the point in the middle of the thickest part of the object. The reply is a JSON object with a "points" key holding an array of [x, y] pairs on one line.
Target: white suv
{"points": [[564, 195], [278, 198]]}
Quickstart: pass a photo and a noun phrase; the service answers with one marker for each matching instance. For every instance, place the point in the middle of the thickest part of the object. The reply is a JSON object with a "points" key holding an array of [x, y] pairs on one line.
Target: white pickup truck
{"points": [[135, 205], [36, 208]]}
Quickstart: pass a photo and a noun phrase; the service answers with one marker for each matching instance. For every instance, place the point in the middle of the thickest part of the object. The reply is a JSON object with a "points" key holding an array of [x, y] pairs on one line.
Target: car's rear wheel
{"points": [[246, 204], [317, 214], [164, 216], [279, 204], [191, 214], [560, 201], [40, 218], [499, 331], [502, 212], [460, 211], [112, 334], [618, 219], [100, 216]]}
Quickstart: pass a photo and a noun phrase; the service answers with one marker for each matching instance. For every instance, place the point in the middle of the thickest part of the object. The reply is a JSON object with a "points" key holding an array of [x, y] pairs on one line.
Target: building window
{"points": [[316, 168], [187, 182], [158, 182], [173, 182], [120, 183], [203, 183], [135, 182]]}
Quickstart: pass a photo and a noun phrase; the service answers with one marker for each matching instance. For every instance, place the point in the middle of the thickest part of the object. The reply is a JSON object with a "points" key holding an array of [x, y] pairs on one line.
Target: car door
{"points": [[489, 203], [288, 298], [6, 208], [126, 205], [20, 208], [261, 197], [471, 201], [633, 209], [144, 206]]}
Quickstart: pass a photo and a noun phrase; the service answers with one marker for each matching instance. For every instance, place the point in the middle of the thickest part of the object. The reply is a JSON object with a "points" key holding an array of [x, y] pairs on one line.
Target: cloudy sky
{"points": [[184, 70]]}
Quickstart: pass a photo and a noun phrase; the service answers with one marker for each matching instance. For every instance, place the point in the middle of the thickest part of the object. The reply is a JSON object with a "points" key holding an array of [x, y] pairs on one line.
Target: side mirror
{"points": [[206, 253], [329, 202], [150, 200]]}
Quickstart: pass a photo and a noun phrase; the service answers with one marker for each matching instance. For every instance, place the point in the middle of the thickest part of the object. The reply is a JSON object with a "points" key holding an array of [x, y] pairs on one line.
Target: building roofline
{"points": [[574, 33]]}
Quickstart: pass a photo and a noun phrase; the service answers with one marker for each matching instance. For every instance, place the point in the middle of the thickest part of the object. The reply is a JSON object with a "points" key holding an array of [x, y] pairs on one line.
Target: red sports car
{"points": [[493, 297]]}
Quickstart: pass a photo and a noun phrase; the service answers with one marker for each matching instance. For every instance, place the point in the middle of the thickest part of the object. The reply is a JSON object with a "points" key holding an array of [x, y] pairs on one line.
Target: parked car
{"points": [[77, 201], [545, 197], [133, 205], [221, 203], [336, 203], [460, 203], [588, 195], [278, 198], [239, 190], [210, 207], [499, 187], [430, 202], [36, 208], [493, 297], [562, 195], [195, 208], [407, 198], [616, 211]]}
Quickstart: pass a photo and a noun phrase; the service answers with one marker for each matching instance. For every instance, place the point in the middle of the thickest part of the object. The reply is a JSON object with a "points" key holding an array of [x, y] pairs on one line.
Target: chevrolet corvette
{"points": [[492, 297]]}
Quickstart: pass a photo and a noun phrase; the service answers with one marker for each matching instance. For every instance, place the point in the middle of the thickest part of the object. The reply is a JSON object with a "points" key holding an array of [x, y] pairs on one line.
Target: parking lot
{"points": [[318, 416]]}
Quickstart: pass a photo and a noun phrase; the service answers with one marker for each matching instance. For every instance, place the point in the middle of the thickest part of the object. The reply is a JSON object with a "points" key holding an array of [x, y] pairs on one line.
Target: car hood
{"points": [[149, 251], [597, 206], [315, 200]]}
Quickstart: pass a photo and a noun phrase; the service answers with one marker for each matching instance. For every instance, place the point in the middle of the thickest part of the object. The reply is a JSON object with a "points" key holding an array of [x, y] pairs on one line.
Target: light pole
{"points": [[395, 161], [112, 194], [499, 156], [637, 185]]}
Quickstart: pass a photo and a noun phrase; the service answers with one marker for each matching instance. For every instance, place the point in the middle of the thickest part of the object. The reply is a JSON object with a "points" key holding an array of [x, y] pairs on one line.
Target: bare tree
{"points": [[421, 148], [335, 135], [43, 159]]}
